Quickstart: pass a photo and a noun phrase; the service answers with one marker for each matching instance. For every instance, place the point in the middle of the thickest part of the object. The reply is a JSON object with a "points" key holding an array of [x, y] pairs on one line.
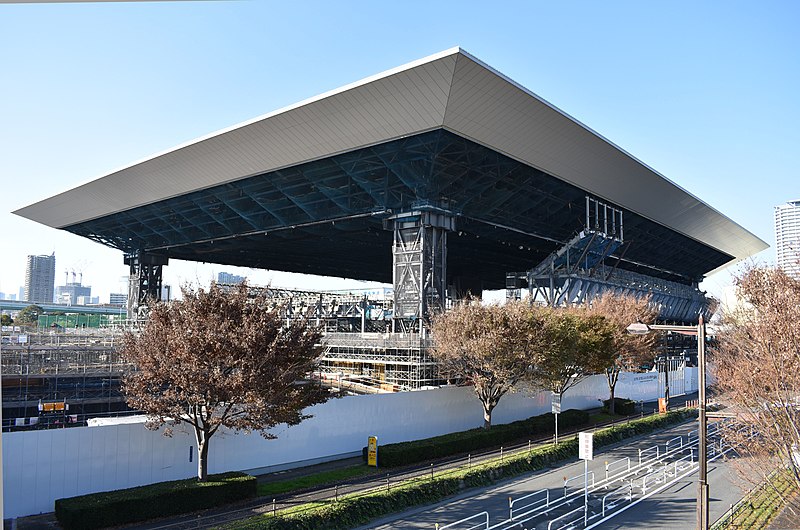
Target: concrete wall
{"points": [[42, 466]]}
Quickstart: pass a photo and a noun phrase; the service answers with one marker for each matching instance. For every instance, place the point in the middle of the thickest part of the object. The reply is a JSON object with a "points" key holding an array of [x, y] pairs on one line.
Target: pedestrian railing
{"points": [[532, 502], [627, 494], [468, 523], [659, 467]]}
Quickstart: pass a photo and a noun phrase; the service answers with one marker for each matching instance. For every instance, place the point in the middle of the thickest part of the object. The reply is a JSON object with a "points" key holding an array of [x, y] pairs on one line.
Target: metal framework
{"points": [[400, 360], [420, 267], [358, 338], [588, 265], [81, 368], [144, 281]]}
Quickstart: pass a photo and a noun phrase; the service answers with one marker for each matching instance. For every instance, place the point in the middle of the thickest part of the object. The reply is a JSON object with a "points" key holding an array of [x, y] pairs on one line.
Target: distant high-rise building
{"points": [[787, 237], [40, 278], [227, 277], [120, 299]]}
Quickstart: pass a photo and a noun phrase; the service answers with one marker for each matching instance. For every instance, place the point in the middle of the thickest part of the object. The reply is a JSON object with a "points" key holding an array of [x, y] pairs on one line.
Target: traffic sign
{"points": [[586, 446], [555, 403]]}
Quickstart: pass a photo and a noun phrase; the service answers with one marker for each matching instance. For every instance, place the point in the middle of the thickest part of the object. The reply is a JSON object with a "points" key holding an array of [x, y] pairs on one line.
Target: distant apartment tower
{"points": [[227, 277], [40, 278], [787, 237]]}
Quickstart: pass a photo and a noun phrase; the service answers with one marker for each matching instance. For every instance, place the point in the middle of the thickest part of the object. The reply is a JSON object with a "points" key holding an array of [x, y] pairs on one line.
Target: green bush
{"points": [[406, 453], [112, 508], [622, 406], [357, 510]]}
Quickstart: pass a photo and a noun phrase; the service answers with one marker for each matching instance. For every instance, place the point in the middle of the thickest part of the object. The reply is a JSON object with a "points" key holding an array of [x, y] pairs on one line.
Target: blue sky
{"points": [[707, 93]]}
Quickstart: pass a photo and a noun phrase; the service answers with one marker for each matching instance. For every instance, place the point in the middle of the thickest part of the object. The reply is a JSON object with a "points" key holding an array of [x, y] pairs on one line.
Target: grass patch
{"points": [[762, 505], [603, 417], [311, 481]]}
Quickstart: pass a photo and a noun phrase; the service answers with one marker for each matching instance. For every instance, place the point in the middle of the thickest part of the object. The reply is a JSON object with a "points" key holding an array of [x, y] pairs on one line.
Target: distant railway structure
{"points": [[442, 177]]}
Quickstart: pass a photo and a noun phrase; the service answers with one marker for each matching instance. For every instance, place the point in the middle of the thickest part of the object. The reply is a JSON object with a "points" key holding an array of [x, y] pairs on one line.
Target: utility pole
{"points": [[702, 486], [1, 428]]}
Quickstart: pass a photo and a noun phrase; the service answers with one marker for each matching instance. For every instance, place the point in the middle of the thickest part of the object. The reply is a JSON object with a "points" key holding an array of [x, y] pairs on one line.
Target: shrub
{"points": [[112, 508], [622, 406], [405, 453]]}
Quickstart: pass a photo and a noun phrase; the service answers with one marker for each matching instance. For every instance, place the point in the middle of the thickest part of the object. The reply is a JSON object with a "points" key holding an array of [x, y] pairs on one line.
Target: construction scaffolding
{"points": [[58, 375], [358, 342], [397, 361]]}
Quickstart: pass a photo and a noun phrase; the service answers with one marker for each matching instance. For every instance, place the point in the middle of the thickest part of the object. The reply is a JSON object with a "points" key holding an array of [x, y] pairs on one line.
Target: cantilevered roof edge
{"points": [[73, 204]]}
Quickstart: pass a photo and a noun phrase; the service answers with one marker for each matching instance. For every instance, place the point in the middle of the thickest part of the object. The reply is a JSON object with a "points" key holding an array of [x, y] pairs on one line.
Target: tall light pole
{"points": [[702, 486], [1, 428]]}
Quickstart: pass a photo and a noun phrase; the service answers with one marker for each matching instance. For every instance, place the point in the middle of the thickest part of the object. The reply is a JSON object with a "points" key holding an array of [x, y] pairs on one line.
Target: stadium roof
{"points": [[445, 132]]}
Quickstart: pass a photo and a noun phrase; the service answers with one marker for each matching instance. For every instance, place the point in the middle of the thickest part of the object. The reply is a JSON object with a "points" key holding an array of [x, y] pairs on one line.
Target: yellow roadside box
{"points": [[372, 451]]}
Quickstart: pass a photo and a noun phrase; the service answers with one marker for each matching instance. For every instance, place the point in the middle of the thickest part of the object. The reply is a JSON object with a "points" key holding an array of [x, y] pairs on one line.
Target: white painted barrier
{"points": [[42, 466]]}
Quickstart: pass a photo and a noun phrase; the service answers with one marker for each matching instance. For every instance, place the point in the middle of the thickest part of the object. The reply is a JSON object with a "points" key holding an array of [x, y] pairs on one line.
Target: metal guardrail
{"points": [[484, 524], [577, 477], [628, 488], [664, 469], [626, 460], [568, 523], [531, 506]]}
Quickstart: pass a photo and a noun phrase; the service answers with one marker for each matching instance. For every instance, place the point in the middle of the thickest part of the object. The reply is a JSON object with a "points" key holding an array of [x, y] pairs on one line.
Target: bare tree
{"points": [[485, 346], [757, 363], [221, 359], [628, 351]]}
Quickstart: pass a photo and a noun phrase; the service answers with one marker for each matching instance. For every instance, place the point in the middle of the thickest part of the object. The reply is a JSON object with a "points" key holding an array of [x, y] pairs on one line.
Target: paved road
{"points": [[671, 509]]}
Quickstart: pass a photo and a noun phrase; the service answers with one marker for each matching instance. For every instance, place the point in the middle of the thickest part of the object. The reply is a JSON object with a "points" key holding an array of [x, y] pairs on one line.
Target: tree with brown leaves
{"points": [[221, 358], [757, 364], [629, 351], [574, 345], [486, 346]]}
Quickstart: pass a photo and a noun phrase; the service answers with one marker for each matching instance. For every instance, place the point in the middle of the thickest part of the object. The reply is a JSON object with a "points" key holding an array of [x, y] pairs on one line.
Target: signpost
{"points": [[372, 451], [555, 407], [585, 453]]}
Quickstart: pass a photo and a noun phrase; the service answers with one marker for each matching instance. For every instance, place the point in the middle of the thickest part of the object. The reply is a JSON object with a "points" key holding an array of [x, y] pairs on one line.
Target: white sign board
{"points": [[555, 403], [586, 446]]}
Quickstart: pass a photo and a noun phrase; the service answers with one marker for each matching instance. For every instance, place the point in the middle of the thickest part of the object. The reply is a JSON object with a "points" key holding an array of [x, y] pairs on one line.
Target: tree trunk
{"points": [[612, 377], [611, 408], [487, 416], [202, 455]]}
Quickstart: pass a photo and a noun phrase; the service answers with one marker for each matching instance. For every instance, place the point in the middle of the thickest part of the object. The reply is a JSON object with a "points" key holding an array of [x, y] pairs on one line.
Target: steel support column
{"points": [[419, 253], [144, 281]]}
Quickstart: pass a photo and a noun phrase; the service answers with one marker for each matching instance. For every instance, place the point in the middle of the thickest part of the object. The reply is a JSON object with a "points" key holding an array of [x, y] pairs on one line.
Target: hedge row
{"points": [[356, 510], [406, 453], [112, 508], [622, 406]]}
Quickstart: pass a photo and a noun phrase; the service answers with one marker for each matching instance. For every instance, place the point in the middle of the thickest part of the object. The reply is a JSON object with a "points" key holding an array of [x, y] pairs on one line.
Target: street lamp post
{"points": [[702, 487], [1, 429]]}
